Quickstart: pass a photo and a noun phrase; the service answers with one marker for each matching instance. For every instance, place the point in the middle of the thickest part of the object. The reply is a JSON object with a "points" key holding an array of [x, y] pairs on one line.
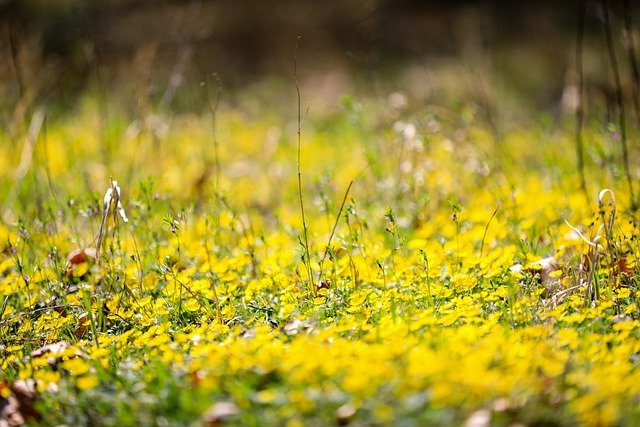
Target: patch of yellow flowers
{"points": [[425, 314]]}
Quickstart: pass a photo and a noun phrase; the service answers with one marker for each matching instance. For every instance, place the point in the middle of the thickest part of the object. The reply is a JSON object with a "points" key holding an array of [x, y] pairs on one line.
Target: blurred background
{"points": [[495, 55]]}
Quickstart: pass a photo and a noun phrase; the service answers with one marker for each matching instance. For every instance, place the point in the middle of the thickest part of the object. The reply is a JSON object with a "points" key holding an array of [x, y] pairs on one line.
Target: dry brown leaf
{"points": [[547, 266], [622, 265], [81, 255], [543, 268], [345, 414], [78, 257], [479, 418], [51, 351], [322, 284], [83, 326], [297, 326], [17, 409], [10, 415], [502, 404], [219, 413]]}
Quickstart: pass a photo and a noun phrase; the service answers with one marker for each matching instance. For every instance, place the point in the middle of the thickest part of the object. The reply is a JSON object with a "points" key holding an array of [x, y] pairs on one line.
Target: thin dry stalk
{"points": [[304, 220], [580, 107], [335, 226], [621, 110], [589, 262], [26, 156], [111, 203], [15, 62], [633, 60], [213, 110], [486, 229], [607, 223], [29, 144]]}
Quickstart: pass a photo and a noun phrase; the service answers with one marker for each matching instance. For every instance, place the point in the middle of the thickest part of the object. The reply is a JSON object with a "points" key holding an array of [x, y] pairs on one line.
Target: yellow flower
{"points": [[87, 382]]}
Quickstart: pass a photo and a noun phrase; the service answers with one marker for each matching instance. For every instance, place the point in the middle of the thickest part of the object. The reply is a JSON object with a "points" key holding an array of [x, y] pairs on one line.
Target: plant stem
{"points": [[304, 220], [621, 113], [633, 60], [335, 225], [580, 107]]}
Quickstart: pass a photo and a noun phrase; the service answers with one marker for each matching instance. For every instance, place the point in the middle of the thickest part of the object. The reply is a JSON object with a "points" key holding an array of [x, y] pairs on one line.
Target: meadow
{"points": [[384, 261]]}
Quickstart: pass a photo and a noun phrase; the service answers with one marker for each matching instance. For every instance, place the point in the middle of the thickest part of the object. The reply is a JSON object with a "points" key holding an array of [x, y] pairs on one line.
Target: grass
{"points": [[430, 302]]}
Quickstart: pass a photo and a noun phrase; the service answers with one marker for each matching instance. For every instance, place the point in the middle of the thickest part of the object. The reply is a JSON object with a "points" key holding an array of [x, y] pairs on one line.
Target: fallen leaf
{"points": [[52, 351], [219, 413], [79, 260], [83, 326], [543, 268], [19, 407], [10, 415], [345, 414], [479, 418], [547, 266], [81, 255], [297, 326], [322, 284], [621, 265]]}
